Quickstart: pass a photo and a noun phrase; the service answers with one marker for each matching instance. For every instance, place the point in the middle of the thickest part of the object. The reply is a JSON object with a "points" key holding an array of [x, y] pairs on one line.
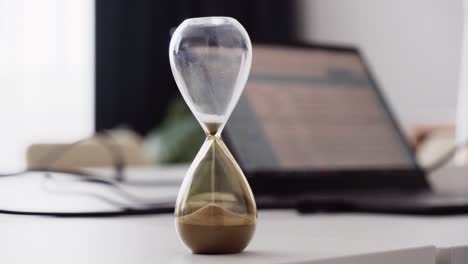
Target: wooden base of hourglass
{"points": [[216, 213]]}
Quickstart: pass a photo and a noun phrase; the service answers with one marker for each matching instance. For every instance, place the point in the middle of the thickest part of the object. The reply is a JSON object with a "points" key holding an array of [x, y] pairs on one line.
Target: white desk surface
{"points": [[281, 237]]}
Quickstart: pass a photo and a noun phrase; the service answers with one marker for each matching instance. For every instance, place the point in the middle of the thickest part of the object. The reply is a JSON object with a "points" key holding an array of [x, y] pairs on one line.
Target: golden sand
{"points": [[215, 230]]}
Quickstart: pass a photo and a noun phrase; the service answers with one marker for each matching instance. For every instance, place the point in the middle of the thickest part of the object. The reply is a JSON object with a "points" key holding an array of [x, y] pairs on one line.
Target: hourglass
{"points": [[210, 59]]}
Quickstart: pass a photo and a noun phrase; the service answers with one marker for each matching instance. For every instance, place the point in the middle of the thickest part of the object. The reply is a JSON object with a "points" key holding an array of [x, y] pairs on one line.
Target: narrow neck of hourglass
{"points": [[213, 130], [212, 126]]}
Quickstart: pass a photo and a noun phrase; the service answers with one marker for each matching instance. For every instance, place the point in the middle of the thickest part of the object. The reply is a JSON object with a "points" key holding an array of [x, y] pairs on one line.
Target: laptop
{"points": [[313, 131]]}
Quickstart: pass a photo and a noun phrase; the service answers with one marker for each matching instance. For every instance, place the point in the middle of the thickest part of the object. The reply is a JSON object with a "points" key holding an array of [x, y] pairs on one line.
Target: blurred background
{"points": [[70, 68]]}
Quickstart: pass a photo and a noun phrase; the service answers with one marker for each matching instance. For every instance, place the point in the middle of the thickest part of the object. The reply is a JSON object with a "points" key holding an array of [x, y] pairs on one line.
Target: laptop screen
{"points": [[308, 108]]}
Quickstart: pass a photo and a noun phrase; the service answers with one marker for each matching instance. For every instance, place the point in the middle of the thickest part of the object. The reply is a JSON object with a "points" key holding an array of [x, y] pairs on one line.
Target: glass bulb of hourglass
{"points": [[210, 59]]}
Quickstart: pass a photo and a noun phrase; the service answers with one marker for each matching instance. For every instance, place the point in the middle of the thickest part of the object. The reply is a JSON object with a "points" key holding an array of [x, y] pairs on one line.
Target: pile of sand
{"points": [[216, 215]]}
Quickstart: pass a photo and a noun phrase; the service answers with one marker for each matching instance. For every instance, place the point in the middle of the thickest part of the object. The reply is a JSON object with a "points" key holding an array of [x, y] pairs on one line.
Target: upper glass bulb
{"points": [[210, 58]]}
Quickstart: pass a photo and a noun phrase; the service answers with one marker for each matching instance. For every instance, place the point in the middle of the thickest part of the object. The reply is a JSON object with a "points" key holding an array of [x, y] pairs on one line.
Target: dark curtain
{"points": [[134, 84]]}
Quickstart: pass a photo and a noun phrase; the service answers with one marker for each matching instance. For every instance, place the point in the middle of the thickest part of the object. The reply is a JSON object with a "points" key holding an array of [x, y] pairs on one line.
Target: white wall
{"points": [[413, 47], [46, 74]]}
